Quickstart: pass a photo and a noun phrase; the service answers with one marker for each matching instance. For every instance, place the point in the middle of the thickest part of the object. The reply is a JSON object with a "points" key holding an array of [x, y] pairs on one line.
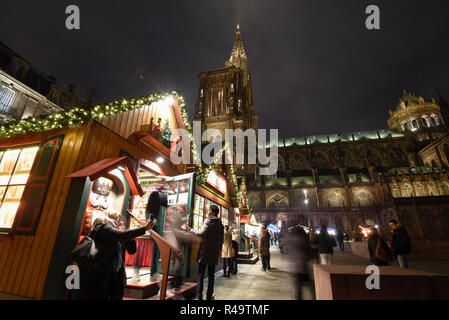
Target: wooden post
{"points": [[165, 250]]}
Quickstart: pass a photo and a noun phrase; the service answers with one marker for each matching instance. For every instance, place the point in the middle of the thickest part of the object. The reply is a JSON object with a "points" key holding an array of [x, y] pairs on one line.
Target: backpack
{"points": [[89, 255], [383, 253]]}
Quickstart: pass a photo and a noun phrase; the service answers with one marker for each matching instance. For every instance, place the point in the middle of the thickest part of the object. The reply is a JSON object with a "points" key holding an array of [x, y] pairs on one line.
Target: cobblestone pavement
{"points": [[253, 284]]}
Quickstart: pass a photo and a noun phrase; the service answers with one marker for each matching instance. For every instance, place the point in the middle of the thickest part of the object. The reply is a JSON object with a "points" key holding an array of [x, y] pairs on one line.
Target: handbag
{"points": [[89, 255], [382, 253]]}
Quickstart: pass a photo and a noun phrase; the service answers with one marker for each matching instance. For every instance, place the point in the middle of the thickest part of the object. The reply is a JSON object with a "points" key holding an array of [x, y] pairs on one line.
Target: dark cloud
{"points": [[316, 69]]}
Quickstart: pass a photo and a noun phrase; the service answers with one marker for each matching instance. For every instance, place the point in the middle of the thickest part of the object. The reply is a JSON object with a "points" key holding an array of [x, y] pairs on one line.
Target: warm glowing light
{"points": [[160, 160], [169, 100]]}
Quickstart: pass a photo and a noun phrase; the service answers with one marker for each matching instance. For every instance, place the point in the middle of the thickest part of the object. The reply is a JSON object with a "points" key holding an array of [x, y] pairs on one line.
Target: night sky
{"points": [[316, 68]]}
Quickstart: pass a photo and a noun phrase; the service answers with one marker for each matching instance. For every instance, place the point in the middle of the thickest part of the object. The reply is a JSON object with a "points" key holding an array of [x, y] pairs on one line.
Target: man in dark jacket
{"points": [[326, 244], [401, 243], [209, 251], [156, 200]]}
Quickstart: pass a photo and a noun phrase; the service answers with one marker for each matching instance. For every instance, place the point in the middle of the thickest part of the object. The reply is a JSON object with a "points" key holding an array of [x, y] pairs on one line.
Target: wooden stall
{"points": [[45, 198]]}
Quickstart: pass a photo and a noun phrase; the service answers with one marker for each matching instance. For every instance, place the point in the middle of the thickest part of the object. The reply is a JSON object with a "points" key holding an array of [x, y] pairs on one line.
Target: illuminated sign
{"points": [[217, 182]]}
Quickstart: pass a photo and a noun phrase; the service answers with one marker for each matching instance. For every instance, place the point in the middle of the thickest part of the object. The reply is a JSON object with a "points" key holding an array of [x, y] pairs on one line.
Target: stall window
{"points": [[225, 216], [15, 168], [198, 212]]}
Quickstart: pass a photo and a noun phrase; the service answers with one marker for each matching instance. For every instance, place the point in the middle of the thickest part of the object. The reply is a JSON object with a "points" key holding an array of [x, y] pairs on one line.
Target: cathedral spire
{"points": [[238, 56]]}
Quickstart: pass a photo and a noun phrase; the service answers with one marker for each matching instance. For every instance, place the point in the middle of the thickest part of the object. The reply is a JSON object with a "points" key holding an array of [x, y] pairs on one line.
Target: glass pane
{"points": [[2, 193], [7, 166], [24, 165], [10, 205]]}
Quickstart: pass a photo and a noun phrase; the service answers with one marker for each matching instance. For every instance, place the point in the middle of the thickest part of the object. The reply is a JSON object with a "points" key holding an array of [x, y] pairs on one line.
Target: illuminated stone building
{"points": [[225, 98], [26, 92], [343, 180]]}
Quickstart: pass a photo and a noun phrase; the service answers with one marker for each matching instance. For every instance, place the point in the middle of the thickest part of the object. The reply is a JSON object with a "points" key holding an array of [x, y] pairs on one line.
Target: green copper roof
{"points": [[332, 138]]}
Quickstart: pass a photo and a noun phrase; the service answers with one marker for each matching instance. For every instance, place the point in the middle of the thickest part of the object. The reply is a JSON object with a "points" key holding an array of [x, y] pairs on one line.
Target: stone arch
{"points": [[433, 191], [445, 188], [407, 191], [446, 152], [364, 198], [419, 189], [445, 220], [427, 219], [395, 191], [297, 161], [322, 160], [282, 165], [277, 201], [333, 199], [406, 219]]}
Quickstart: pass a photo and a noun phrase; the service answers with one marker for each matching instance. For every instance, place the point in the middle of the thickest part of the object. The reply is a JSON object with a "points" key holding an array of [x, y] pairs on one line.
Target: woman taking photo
{"points": [[107, 281]]}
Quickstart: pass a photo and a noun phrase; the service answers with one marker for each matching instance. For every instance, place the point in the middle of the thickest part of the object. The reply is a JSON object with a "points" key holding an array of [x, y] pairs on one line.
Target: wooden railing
{"points": [[165, 250]]}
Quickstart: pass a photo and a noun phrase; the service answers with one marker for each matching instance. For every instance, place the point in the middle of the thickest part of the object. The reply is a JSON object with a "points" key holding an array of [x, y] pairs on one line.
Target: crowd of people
{"points": [[107, 281]]}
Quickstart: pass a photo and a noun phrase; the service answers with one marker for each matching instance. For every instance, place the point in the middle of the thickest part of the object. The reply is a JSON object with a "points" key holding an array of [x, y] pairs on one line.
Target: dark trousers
{"points": [[227, 266], [301, 279], [266, 262], [234, 265], [342, 245], [154, 258], [117, 285], [200, 281]]}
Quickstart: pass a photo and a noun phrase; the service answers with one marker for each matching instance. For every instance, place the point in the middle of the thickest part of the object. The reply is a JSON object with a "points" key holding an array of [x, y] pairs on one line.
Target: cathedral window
{"points": [[414, 125], [202, 93], [395, 191], [406, 190], [419, 190], [232, 87], [424, 122], [433, 189], [6, 97], [433, 121], [445, 188]]}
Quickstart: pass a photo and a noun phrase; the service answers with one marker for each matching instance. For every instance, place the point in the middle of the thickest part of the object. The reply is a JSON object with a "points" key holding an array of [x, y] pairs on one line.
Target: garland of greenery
{"points": [[78, 116]]}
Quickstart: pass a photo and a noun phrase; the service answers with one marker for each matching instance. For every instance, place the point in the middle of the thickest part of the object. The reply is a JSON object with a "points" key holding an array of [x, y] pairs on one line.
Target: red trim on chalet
{"points": [[103, 167]]}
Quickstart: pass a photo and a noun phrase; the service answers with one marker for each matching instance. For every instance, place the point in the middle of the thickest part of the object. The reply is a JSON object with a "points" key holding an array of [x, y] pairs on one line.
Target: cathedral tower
{"points": [[225, 98]]}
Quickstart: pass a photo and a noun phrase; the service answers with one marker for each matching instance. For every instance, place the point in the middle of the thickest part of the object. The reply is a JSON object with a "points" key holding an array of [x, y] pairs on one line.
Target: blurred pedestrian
{"points": [[298, 253], [326, 243], [179, 238], [157, 199], [107, 281], [209, 251], [235, 246], [227, 252], [340, 239], [315, 251], [264, 248], [401, 243], [378, 249]]}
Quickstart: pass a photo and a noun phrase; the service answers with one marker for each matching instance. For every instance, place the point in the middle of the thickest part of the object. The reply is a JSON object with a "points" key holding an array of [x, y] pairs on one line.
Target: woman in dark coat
{"points": [[374, 240], [264, 248], [108, 280]]}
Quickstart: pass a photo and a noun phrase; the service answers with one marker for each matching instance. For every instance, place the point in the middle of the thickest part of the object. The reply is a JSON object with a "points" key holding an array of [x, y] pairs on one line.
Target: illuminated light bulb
{"points": [[169, 100], [160, 160]]}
